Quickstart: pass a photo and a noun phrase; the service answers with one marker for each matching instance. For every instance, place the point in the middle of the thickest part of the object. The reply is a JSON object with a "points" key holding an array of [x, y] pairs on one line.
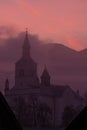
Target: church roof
{"points": [[76, 94], [52, 91]]}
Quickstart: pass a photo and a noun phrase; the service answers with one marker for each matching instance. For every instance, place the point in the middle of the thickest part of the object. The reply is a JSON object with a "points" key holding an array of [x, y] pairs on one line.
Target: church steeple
{"points": [[26, 46], [6, 85], [26, 67], [45, 77]]}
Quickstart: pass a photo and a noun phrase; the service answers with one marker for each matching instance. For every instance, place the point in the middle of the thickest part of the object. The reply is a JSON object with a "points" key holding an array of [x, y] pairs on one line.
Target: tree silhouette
{"points": [[21, 108], [34, 113], [68, 114], [44, 115]]}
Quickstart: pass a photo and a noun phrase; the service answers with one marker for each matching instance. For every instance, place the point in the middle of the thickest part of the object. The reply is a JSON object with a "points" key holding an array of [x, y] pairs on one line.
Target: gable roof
{"points": [[53, 90]]}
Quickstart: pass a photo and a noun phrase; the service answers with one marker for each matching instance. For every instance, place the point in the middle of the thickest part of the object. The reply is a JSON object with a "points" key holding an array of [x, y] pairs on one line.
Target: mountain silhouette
{"points": [[66, 65]]}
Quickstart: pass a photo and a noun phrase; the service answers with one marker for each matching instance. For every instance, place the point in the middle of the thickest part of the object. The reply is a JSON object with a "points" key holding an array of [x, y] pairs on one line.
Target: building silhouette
{"points": [[26, 68], [27, 84]]}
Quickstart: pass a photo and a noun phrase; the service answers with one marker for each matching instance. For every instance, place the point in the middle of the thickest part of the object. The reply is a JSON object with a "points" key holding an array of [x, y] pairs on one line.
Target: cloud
{"points": [[8, 31], [11, 46], [45, 17]]}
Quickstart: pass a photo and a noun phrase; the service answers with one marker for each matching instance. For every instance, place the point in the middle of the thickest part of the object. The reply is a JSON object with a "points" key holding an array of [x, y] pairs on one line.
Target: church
{"points": [[27, 84]]}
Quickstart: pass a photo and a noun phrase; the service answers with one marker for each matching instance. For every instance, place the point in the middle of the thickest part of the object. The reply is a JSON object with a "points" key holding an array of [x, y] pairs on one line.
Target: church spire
{"points": [[45, 77], [26, 46], [26, 40], [6, 85]]}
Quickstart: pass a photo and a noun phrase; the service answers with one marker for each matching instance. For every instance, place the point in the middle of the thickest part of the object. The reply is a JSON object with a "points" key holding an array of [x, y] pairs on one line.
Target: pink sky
{"points": [[60, 20]]}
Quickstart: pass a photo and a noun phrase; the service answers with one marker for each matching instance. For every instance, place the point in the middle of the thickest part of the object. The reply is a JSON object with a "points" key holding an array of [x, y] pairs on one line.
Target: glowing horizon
{"points": [[61, 21]]}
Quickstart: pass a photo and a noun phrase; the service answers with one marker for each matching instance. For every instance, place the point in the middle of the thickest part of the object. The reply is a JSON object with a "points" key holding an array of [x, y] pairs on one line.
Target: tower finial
{"points": [[26, 32], [26, 46], [26, 29], [45, 66]]}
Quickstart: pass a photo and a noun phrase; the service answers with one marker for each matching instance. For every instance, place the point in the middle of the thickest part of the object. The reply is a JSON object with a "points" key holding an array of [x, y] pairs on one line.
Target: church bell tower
{"points": [[26, 67]]}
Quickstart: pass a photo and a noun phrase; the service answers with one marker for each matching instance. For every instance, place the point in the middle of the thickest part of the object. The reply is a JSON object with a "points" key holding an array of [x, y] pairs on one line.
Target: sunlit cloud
{"points": [[47, 18], [73, 43]]}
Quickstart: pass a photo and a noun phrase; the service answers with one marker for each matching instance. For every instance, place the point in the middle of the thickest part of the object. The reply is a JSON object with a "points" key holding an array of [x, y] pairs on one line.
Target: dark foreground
{"points": [[43, 129]]}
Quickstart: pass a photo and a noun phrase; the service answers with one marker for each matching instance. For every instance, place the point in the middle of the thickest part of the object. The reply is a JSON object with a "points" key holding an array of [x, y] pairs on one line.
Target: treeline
{"points": [[37, 114]]}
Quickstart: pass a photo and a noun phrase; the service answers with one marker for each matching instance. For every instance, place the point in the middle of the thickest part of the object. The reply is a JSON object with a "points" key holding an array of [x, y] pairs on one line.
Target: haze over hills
{"points": [[65, 65], [83, 52]]}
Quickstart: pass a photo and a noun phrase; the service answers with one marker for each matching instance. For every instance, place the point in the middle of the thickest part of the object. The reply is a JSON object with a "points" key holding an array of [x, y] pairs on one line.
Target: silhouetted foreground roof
{"points": [[80, 122], [8, 120]]}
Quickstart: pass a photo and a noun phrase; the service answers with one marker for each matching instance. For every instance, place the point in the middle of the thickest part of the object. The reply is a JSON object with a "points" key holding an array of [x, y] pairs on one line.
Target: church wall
{"points": [[26, 74], [49, 101], [67, 99], [72, 98]]}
